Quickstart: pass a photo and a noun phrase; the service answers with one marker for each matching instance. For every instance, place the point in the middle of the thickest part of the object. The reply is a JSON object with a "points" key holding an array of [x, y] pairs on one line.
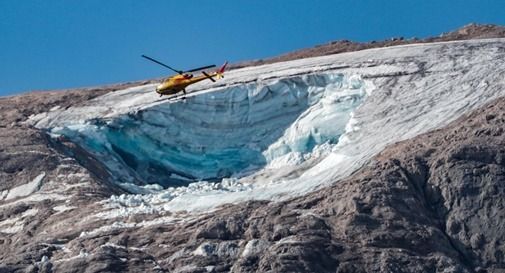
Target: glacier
{"points": [[228, 132], [275, 131]]}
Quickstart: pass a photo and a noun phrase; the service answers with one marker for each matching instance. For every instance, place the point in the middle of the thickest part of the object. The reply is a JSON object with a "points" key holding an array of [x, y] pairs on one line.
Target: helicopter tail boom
{"points": [[220, 71]]}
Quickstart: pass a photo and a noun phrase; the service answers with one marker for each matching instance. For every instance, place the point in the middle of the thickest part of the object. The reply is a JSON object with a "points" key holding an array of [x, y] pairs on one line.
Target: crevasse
{"points": [[232, 131]]}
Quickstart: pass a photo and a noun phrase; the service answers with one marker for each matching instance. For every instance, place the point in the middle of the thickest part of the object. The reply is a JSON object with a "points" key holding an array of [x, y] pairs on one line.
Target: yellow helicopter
{"points": [[174, 84]]}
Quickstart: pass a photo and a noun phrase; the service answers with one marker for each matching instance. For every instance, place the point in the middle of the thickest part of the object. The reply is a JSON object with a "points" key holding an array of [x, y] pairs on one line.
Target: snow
{"points": [[277, 130], [222, 249], [254, 247], [25, 189], [55, 108], [119, 225], [60, 186], [109, 244], [63, 208], [13, 229], [108, 228], [16, 224], [35, 198], [44, 259]]}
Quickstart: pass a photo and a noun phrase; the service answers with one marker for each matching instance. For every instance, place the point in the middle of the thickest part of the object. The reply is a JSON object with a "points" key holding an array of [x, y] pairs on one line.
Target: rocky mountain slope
{"points": [[432, 203]]}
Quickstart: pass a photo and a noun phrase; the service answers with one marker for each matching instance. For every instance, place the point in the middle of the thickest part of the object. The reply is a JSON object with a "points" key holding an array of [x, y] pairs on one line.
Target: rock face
{"points": [[24, 150], [434, 203]]}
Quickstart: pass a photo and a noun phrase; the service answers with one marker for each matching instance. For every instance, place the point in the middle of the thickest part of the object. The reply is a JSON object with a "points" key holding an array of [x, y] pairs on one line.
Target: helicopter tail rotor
{"points": [[208, 76]]}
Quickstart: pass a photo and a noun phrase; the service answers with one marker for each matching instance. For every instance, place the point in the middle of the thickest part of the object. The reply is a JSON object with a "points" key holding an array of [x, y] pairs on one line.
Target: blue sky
{"points": [[64, 44]]}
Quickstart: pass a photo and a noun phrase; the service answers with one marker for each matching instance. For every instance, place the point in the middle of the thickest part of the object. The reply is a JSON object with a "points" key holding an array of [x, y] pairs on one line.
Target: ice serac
{"points": [[279, 130], [228, 132]]}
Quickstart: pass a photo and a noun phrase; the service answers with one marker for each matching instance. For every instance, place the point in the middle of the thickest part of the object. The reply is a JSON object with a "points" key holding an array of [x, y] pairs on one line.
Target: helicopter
{"points": [[177, 83]]}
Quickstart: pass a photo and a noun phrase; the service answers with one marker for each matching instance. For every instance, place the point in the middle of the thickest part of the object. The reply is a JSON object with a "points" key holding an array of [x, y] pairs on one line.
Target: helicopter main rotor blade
{"points": [[201, 68], [162, 64], [208, 76]]}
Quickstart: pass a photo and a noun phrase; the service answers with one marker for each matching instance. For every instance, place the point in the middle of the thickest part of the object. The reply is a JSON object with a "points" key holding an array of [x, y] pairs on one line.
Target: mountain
{"points": [[383, 159], [468, 32]]}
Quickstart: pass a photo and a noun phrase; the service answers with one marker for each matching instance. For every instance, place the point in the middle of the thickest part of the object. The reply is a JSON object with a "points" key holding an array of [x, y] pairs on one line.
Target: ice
{"points": [[322, 123], [229, 132], [25, 189], [277, 130]]}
